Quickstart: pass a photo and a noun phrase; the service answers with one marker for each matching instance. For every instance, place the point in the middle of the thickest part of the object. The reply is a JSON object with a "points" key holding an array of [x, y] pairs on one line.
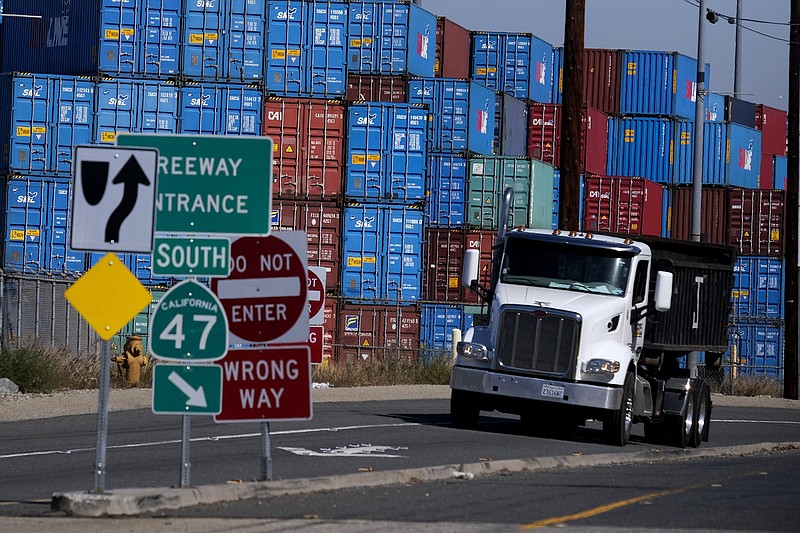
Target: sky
{"points": [[669, 25]]}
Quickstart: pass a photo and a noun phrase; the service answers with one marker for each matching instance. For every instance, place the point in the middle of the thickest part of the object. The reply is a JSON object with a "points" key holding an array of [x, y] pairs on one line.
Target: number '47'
{"points": [[174, 330]]}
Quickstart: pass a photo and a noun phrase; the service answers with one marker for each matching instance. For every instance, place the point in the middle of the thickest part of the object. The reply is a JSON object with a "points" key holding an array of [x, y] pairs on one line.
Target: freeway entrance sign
{"points": [[187, 389], [189, 324], [210, 184]]}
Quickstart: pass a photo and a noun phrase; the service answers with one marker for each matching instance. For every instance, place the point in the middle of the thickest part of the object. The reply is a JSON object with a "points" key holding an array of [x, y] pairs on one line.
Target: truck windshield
{"points": [[566, 267]]}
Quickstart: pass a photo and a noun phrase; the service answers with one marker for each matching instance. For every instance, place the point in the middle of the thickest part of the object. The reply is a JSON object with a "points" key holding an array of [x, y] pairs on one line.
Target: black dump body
{"points": [[702, 276]]}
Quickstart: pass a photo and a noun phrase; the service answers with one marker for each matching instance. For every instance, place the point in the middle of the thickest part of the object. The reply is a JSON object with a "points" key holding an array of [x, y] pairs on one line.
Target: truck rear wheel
{"points": [[464, 409], [684, 426], [703, 424], [617, 426]]}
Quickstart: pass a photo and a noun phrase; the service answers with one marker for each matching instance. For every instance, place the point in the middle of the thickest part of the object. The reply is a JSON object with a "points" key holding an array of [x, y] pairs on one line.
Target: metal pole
{"points": [[186, 464], [102, 417], [266, 453], [737, 56]]}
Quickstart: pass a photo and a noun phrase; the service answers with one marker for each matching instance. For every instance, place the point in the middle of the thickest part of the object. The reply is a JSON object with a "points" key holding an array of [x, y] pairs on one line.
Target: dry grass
{"points": [[432, 371]]}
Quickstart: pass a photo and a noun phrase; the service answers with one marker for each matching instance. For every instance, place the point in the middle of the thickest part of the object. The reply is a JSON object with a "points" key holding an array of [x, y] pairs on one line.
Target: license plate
{"points": [[552, 391]]}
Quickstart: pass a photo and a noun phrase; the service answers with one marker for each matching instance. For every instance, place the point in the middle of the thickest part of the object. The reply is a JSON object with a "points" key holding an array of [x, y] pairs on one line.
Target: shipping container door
{"points": [[447, 175], [286, 40], [116, 109], [364, 38], [362, 238], [444, 254], [544, 133], [325, 130], [240, 110], [25, 214], [202, 56], [437, 322], [404, 232], [74, 119], [326, 67], [406, 154], [62, 259], [161, 37], [198, 104], [517, 63], [158, 108], [540, 212], [27, 115], [244, 46], [367, 125], [487, 53]]}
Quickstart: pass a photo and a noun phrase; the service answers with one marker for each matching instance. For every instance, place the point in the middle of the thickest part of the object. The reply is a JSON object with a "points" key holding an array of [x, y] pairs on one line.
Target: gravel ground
{"points": [[36, 406]]}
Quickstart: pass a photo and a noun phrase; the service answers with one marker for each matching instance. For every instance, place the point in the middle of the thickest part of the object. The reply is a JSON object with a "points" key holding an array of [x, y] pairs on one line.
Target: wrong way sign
{"points": [[266, 294]]}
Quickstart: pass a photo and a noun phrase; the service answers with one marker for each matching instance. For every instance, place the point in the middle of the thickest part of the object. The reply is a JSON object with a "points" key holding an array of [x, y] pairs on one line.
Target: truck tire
{"points": [[464, 409], [684, 426], [703, 408], [617, 426]]}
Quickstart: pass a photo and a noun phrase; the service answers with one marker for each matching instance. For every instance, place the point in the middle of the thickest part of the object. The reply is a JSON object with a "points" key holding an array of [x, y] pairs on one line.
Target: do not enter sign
{"points": [[266, 294]]}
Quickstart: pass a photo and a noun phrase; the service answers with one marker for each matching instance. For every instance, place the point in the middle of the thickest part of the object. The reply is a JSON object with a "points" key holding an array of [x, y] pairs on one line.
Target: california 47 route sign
{"points": [[113, 197], [266, 294]]}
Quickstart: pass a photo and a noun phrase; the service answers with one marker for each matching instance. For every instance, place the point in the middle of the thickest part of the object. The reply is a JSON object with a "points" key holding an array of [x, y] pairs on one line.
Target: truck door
{"points": [[639, 303]]}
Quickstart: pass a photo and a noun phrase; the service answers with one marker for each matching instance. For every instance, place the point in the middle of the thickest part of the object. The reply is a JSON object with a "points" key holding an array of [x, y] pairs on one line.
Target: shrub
{"points": [[33, 368], [388, 371]]}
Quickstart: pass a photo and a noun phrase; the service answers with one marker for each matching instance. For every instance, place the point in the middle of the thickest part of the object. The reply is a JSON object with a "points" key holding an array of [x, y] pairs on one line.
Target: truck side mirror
{"points": [[663, 292], [469, 270]]}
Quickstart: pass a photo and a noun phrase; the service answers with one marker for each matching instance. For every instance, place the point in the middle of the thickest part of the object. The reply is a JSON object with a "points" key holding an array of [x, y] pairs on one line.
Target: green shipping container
{"points": [[531, 180]]}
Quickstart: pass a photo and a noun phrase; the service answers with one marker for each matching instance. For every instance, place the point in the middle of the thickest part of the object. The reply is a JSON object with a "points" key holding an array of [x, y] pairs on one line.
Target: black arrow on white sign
{"points": [[131, 176]]}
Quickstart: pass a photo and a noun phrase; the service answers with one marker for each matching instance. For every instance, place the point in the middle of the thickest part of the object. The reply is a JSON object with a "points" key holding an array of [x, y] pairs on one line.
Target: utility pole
{"points": [[737, 54], [699, 116], [791, 348], [571, 116]]}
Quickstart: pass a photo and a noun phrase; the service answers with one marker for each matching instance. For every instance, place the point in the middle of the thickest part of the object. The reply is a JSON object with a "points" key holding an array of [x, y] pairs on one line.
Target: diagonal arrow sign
{"points": [[196, 397], [131, 176]]}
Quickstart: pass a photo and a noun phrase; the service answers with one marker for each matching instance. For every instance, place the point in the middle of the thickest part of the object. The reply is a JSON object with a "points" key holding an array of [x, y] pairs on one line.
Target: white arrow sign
{"points": [[196, 398], [348, 451]]}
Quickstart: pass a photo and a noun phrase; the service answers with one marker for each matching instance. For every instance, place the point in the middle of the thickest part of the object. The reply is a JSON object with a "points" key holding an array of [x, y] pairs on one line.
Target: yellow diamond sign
{"points": [[108, 296]]}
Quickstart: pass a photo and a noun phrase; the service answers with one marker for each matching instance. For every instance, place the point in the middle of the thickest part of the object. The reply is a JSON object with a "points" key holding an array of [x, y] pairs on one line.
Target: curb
{"points": [[126, 502]]}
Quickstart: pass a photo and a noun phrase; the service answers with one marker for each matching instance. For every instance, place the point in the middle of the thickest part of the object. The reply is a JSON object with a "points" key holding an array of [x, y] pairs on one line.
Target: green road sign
{"points": [[191, 256], [210, 183], [189, 324], [187, 389]]}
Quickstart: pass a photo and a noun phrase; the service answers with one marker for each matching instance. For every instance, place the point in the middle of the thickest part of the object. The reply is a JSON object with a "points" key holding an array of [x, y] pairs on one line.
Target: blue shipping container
{"points": [[437, 322], [386, 152], [659, 83], [445, 198], [459, 113], [43, 117], [759, 347], [388, 38], [557, 194], [516, 63], [134, 106], [306, 48], [558, 66], [220, 109], [714, 104], [731, 155], [780, 167], [641, 146], [382, 253], [758, 291]]}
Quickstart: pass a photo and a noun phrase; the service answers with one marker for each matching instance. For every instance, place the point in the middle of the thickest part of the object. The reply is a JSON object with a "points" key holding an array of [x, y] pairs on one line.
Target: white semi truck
{"points": [[583, 326]]}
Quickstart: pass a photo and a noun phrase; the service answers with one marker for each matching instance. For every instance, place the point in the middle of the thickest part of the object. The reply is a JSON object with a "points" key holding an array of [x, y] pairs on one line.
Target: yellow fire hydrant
{"points": [[132, 360]]}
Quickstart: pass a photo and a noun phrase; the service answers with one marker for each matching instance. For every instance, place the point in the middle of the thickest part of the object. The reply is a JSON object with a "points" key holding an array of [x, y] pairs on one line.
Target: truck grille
{"points": [[538, 341]]}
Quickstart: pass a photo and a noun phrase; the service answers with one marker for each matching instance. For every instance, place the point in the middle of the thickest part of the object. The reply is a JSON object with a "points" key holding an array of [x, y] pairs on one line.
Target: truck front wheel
{"points": [[617, 426], [464, 409]]}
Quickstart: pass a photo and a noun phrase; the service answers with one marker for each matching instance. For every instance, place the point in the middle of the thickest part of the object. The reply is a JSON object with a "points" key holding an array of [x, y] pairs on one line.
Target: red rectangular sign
{"points": [[315, 334], [266, 385]]}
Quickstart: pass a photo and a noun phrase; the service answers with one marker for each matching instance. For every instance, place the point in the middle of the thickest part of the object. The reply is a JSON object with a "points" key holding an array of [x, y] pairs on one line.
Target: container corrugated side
{"points": [[461, 113], [601, 78], [386, 152], [772, 123], [220, 109], [541, 202], [544, 136], [308, 143], [758, 291], [487, 178], [731, 155], [756, 220], [740, 111], [382, 253], [391, 38], [322, 223], [452, 49], [713, 213], [43, 118], [373, 333], [134, 106], [437, 322], [780, 168], [759, 349], [630, 205], [510, 126], [714, 107], [658, 83], [541, 83], [306, 49], [557, 198], [641, 146], [445, 197], [371, 88]]}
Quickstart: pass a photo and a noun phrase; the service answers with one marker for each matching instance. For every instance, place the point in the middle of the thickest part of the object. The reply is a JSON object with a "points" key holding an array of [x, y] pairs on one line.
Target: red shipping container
{"points": [[444, 257], [756, 220], [622, 204], [602, 75], [544, 137], [713, 212], [377, 333], [322, 224], [366, 88], [307, 154], [765, 177], [452, 50], [772, 122]]}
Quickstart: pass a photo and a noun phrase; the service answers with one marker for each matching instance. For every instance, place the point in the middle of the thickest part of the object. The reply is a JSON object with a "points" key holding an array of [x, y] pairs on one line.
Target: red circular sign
{"points": [[316, 296], [266, 291]]}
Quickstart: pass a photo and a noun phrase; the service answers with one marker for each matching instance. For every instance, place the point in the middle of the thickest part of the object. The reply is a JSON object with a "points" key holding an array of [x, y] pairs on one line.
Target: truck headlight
{"points": [[601, 366], [473, 351]]}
